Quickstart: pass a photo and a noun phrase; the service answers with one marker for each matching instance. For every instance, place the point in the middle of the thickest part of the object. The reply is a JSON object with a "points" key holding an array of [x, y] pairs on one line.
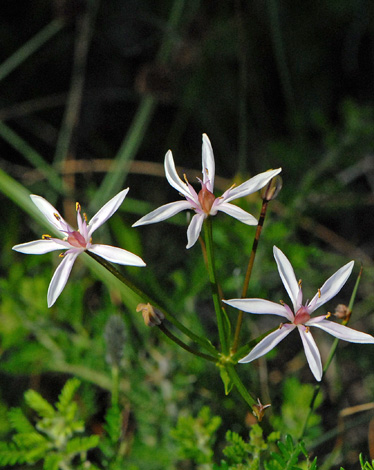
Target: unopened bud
{"points": [[271, 190], [259, 410], [342, 312], [151, 316]]}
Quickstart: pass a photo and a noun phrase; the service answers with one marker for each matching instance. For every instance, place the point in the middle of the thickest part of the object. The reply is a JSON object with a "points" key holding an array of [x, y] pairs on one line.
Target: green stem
{"points": [[197, 339], [249, 272], [317, 388], [115, 385], [220, 314], [29, 48], [183, 345], [239, 385], [32, 156]]}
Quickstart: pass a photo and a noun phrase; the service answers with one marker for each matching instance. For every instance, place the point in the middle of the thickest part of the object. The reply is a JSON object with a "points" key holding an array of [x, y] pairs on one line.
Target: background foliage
{"points": [[93, 93]]}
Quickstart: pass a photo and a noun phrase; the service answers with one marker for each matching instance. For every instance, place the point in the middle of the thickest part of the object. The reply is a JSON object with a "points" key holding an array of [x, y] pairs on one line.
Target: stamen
{"points": [[307, 329], [185, 178], [319, 295], [61, 255], [46, 237], [300, 283], [57, 216], [281, 302], [328, 315], [281, 326], [85, 216], [77, 206]]}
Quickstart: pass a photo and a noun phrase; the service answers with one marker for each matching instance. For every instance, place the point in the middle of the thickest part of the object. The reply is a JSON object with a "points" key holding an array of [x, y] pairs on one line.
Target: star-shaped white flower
{"points": [[300, 317], [75, 241], [205, 203]]}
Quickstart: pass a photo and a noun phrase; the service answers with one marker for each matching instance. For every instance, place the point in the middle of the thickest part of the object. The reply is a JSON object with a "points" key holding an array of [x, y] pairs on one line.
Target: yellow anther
{"points": [[300, 283], [319, 294], [185, 178], [85, 216], [77, 206], [46, 237], [57, 216], [281, 326], [307, 329], [61, 255], [328, 315], [281, 302]]}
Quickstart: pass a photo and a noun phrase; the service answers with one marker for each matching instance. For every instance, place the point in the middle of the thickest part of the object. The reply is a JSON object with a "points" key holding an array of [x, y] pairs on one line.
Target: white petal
{"points": [[208, 163], [268, 343], [253, 184], [164, 212], [287, 275], [332, 286], [312, 354], [194, 229], [49, 212], [342, 332], [106, 211], [60, 277], [40, 247], [172, 175], [117, 255], [260, 306], [237, 213]]}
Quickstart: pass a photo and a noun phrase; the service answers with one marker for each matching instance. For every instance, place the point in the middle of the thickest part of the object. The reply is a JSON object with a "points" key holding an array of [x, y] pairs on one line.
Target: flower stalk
{"points": [[222, 319], [248, 274], [197, 339]]}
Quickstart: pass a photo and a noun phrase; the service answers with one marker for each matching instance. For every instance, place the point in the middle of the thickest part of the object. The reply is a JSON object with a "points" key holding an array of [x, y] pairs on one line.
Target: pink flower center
{"points": [[77, 240], [302, 316], [206, 199]]}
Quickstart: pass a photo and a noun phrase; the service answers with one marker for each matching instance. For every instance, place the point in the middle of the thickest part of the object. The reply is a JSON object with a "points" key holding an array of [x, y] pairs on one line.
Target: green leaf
{"points": [[19, 422], [39, 404], [227, 382], [67, 395]]}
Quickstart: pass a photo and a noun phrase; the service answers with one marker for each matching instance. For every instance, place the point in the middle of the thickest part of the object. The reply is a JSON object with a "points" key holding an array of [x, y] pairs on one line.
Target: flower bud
{"points": [[259, 410], [151, 316], [342, 312], [271, 190]]}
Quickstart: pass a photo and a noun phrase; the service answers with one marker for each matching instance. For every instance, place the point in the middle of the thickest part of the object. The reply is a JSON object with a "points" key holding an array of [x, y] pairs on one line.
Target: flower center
{"points": [[77, 240], [206, 199], [302, 316]]}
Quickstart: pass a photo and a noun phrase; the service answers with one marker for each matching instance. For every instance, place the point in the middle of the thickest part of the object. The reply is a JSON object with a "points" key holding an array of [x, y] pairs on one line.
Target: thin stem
{"points": [[239, 385], [115, 385], [221, 318], [183, 345], [249, 272], [317, 388], [32, 156], [30, 47], [112, 269]]}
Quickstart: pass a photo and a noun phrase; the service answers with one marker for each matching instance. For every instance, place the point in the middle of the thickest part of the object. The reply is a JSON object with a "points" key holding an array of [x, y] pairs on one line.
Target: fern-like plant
{"points": [[53, 439]]}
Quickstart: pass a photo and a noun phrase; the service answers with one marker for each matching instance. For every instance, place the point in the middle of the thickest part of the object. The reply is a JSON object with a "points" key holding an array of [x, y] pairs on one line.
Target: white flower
{"points": [[300, 316], [76, 241], [205, 203]]}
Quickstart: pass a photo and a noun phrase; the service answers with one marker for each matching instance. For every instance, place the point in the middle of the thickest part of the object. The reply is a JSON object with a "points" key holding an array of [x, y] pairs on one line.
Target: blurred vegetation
{"points": [[93, 93]]}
